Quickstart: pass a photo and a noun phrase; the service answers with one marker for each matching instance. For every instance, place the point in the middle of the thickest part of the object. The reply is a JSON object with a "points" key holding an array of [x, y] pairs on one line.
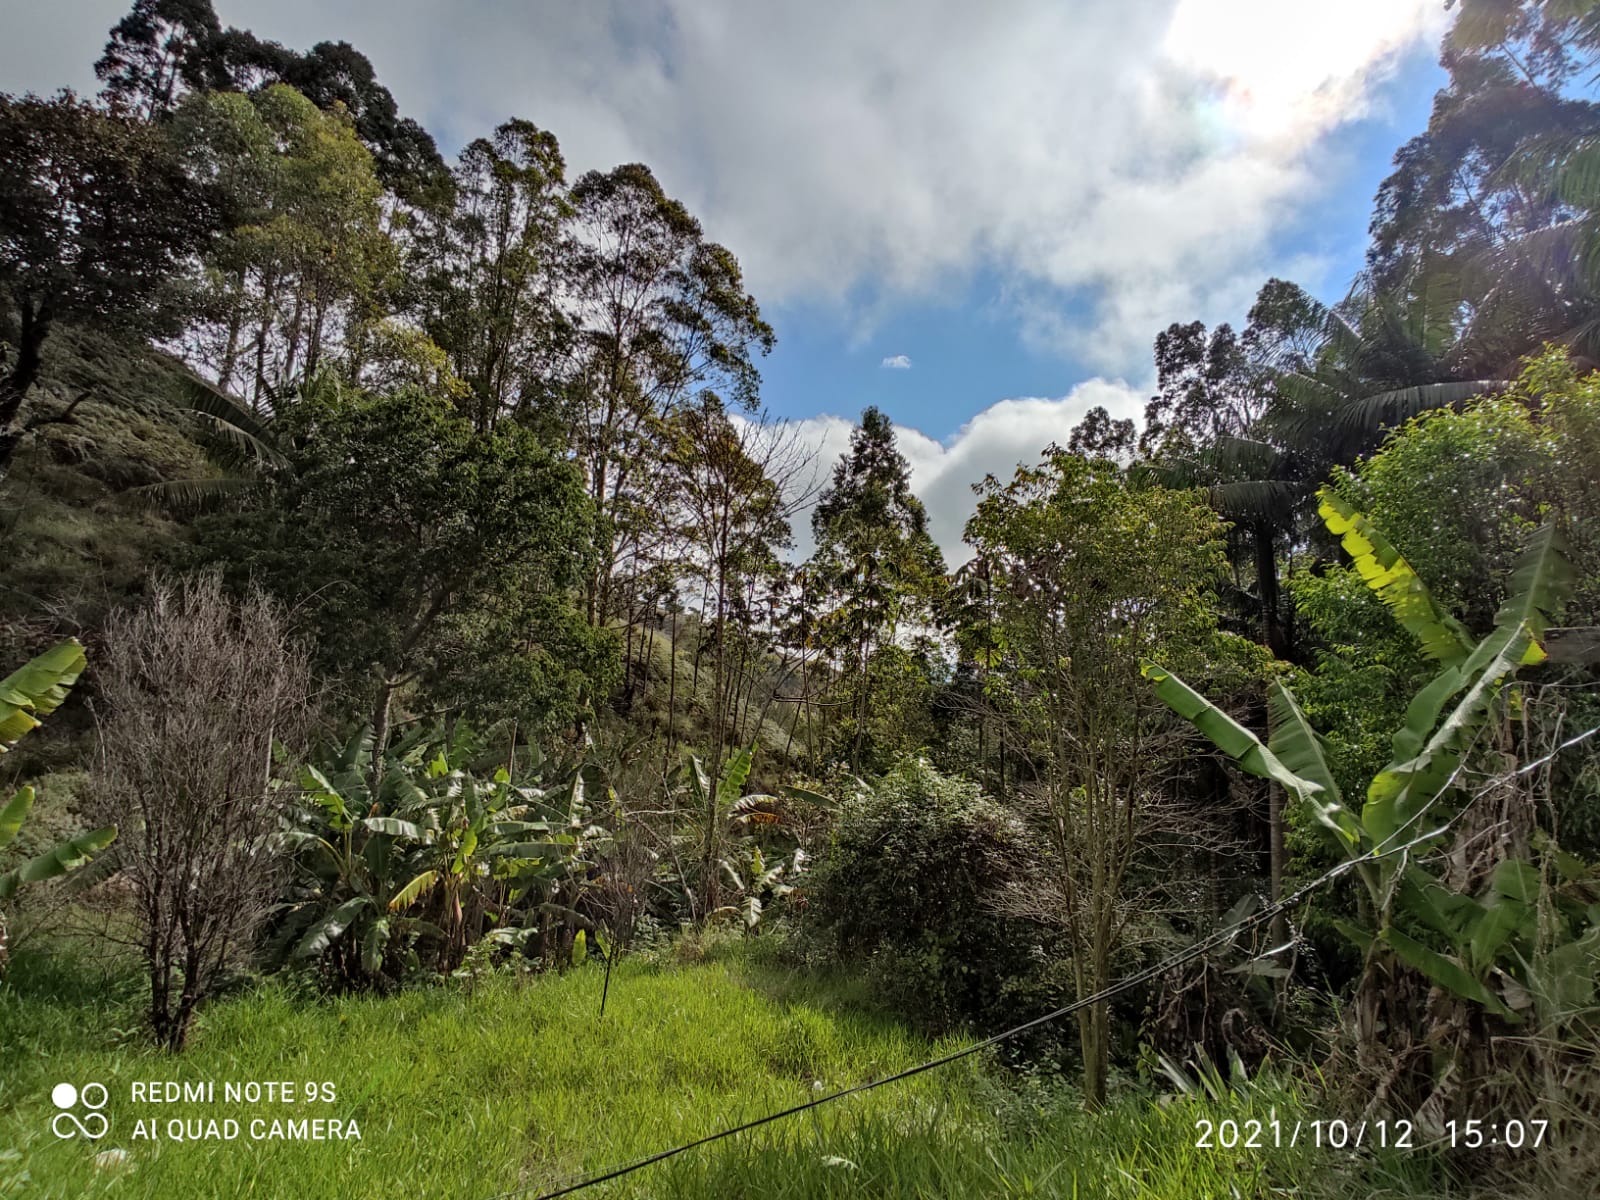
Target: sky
{"points": [[976, 216]]}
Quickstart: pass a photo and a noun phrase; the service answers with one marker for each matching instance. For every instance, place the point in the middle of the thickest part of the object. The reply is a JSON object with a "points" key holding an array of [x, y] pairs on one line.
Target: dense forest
{"points": [[407, 656]]}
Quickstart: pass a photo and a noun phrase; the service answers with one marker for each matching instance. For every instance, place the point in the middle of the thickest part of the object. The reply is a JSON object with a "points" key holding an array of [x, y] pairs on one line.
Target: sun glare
{"points": [[1291, 67]]}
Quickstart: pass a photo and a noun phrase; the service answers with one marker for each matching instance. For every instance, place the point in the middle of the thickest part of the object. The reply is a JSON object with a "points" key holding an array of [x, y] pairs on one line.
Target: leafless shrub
{"points": [[196, 689]]}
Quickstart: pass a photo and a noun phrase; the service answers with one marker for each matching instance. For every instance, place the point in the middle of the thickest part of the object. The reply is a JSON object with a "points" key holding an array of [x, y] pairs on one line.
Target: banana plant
{"points": [[349, 857], [27, 696], [435, 853], [1489, 937], [729, 875], [494, 847]]}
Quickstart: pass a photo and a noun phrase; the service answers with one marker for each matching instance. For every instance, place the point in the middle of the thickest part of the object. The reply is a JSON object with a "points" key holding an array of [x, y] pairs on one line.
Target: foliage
{"points": [[425, 553], [434, 859], [910, 886], [98, 217], [1506, 912], [728, 873], [301, 270], [28, 695], [1091, 574], [876, 568]]}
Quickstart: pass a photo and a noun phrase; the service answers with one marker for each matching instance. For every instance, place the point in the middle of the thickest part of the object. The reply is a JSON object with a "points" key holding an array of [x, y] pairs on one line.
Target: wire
{"points": [[1184, 956]]}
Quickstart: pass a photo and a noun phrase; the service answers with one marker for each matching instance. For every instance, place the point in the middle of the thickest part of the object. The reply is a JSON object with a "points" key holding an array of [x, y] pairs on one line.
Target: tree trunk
{"points": [[1093, 1037], [1273, 632], [1279, 928], [36, 321], [380, 734]]}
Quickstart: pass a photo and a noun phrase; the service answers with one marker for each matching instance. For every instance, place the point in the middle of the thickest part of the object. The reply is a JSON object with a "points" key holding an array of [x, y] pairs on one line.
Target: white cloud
{"points": [[995, 442], [897, 362], [1137, 155]]}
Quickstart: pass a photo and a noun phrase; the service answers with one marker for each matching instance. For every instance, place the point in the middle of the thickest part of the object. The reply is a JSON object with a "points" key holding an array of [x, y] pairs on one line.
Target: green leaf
{"points": [[37, 689], [412, 890], [1298, 748], [1497, 922], [58, 860], [733, 778], [1446, 972], [331, 928], [1392, 579], [809, 796], [13, 815], [1399, 792], [1361, 937], [373, 946], [392, 827], [1539, 585], [1234, 740], [1563, 981], [1517, 880]]}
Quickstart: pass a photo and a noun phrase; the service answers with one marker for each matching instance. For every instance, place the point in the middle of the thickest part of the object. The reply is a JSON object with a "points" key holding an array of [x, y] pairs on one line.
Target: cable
{"points": [[1177, 960]]}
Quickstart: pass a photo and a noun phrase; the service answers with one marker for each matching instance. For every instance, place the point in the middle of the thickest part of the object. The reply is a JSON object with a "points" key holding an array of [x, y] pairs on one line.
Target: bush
{"points": [[909, 886]]}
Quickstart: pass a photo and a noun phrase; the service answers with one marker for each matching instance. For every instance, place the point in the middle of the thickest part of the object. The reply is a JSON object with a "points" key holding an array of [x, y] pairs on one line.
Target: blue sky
{"points": [[966, 351], [1015, 196]]}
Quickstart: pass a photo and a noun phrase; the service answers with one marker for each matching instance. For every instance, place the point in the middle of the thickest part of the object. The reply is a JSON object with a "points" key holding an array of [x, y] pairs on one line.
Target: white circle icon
{"points": [[67, 1124]]}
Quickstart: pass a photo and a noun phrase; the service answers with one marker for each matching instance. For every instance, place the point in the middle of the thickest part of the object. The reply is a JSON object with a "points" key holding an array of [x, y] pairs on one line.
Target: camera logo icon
{"points": [[68, 1123]]}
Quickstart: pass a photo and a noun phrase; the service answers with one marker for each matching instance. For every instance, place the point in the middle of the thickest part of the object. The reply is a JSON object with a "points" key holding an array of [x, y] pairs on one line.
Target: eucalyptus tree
{"points": [[661, 313], [733, 486], [160, 51], [875, 562], [490, 270], [298, 277], [165, 50]]}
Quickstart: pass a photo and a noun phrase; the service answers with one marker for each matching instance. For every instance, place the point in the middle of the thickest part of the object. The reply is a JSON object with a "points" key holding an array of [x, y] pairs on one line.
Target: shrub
{"points": [[909, 887], [197, 694]]}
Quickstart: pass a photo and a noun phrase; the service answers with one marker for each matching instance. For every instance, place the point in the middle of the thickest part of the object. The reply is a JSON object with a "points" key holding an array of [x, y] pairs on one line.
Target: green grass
{"points": [[520, 1085]]}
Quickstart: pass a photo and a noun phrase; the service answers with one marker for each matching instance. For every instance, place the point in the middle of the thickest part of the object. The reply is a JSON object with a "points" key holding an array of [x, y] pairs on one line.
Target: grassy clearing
{"points": [[518, 1085]]}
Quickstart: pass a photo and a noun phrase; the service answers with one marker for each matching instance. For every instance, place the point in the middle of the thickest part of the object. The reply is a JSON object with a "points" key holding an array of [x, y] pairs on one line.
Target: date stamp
{"points": [[1338, 1133]]}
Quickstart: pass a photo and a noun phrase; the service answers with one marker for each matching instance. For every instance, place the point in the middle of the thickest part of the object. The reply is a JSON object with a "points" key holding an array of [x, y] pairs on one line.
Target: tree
{"points": [[160, 47], [335, 75], [491, 269], [1097, 435], [1091, 575], [425, 554], [98, 222], [661, 313], [1446, 846], [734, 484], [198, 694], [875, 560], [164, 50], [301, 272]]}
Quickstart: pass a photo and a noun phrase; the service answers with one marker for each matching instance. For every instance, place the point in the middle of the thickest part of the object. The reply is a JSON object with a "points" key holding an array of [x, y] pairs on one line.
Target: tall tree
{"points": [[99, 221], [874, 558], [734, 485], [301, 273], [161, 50], [424, 554], [488, 297], [661, 313]]}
